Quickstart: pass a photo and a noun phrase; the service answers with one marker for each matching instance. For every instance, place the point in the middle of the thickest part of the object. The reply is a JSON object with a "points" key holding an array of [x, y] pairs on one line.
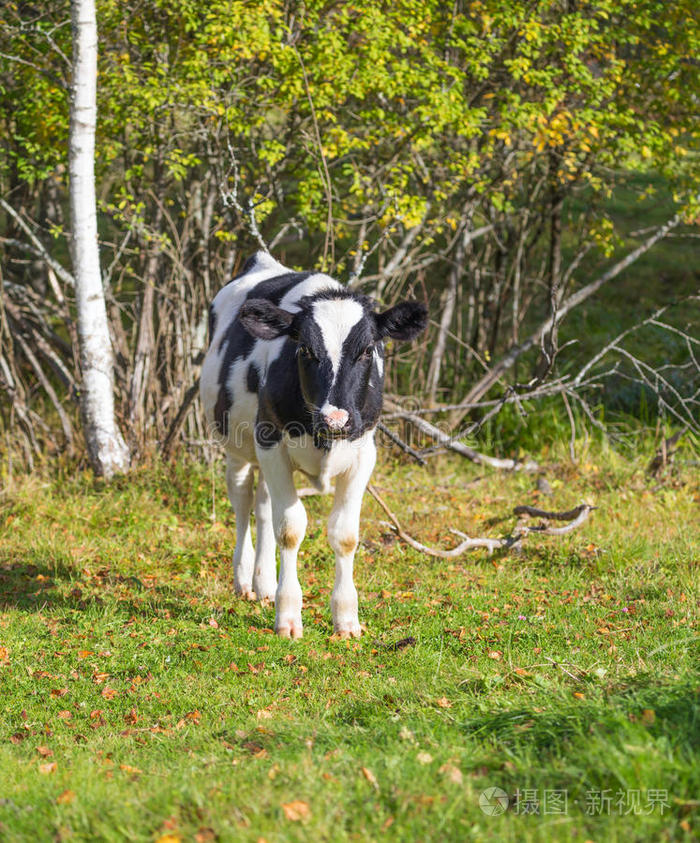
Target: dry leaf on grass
{"points": [[296, 810], [47, 769], [127, 768], [59, 692], [66, 797], [454, 774], [371, 778], [424, 758], [443, 702]]}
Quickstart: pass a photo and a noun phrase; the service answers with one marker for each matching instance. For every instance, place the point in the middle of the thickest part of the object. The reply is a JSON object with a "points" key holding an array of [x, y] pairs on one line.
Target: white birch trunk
{"points": [[106, 448]]}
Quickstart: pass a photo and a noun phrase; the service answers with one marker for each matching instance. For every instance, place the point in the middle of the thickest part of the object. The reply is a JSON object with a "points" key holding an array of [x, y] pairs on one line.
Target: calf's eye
{"points": [[367, 352]]}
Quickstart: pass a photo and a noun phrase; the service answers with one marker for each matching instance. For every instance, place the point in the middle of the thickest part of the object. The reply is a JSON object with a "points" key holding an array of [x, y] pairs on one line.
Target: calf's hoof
{"points": [[289, 628], [265, 593], [346, 629], [245, 591]]}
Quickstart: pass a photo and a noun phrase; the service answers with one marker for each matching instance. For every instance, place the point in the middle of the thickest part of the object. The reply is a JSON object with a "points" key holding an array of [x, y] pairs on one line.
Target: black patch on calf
{"points": [[274, 289], [221, 409], [252, 380], [239, 344]]}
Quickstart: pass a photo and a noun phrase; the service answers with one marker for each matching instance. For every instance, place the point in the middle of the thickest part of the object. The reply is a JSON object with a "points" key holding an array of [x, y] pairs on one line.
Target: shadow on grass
{"points": [[43, 582], [670, 711]]}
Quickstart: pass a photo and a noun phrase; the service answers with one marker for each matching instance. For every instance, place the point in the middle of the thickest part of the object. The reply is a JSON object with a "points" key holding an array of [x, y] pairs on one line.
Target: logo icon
{"points": [[493, 801]]}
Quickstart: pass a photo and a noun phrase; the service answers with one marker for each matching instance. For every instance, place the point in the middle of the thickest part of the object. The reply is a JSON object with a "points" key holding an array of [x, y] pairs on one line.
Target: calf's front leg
{"points": [[289, 524], [343, 535]]}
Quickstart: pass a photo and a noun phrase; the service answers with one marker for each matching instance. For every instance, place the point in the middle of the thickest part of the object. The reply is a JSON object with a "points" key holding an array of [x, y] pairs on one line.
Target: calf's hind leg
{"points": [[265, 576], [289, 524], [239, 483]]}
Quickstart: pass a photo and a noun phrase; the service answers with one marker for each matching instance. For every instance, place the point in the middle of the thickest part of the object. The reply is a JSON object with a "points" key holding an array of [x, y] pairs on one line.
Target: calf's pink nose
{"points": [[336, 419]]}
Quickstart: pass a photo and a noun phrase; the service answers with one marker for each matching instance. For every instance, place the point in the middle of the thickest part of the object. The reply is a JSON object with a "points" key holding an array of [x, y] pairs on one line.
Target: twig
{"points": [[576, 517], [403, 445], [62, 273], [179, 419]]}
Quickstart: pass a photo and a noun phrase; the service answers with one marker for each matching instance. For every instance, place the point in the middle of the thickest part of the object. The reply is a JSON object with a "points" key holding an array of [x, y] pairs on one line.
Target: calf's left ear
{"points": [[403, 321]]}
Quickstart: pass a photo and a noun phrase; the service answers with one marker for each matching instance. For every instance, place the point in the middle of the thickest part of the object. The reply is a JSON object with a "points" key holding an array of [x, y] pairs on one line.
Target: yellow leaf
{"points": [[371, 778], [296, 811], [443, 702], [47, 769], [66, 797], [127, 768]]}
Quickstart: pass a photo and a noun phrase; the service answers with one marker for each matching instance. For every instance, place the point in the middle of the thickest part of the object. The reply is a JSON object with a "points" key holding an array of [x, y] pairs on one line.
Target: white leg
{"points": [[265, 575], [289, 524], [239, 482], [343, 534]]}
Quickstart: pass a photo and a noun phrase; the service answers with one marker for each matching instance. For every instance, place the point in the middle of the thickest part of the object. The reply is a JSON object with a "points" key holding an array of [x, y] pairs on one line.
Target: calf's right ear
{"points": [[264, 320]]}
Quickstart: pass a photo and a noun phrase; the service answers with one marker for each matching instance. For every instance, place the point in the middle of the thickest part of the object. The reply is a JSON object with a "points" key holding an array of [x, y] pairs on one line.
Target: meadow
{"points": [[142, 700]]}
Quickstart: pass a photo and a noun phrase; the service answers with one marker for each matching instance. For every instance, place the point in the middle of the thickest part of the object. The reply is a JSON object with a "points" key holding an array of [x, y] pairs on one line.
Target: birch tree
{"points": [[107, 450]]}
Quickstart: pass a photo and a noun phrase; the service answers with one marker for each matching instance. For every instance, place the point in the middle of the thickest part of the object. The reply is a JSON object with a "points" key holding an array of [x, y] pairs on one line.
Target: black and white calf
{"points": [[293, 379]]}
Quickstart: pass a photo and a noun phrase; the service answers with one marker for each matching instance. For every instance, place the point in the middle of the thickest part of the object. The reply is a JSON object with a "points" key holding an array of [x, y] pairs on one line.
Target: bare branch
{"points": [[41, 250], [575, 517]]}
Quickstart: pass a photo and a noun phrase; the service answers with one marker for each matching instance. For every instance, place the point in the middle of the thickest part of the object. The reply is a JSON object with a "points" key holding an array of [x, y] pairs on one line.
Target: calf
{"points": [[293, 379]]}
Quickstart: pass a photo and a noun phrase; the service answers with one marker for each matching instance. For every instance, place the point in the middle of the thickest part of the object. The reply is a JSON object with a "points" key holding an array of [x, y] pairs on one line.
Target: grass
{"points": [[142, 701]]}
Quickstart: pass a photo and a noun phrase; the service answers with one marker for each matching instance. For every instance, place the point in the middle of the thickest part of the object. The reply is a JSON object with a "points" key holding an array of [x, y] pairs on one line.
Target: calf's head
{"points": [[339, 350]]}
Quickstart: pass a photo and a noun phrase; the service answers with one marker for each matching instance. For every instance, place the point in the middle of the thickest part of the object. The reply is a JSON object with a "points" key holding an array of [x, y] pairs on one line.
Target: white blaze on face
{"points": [[336, 318]]}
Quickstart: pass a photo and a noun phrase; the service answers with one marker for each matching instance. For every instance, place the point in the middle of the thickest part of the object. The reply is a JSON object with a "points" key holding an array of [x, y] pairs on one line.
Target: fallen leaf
{"points": [[66, 797], [371, 778], [454, 774], [648, 717], [296, 810], [109, 693], [59, 692], [169, 838], [497, 655], [127, 768], [424, 758], [579, 695], [4, 655], [443, 702], [46, 769]]}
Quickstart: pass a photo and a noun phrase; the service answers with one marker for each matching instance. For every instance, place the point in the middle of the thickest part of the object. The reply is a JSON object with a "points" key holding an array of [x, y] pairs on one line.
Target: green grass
{"points": [[169, 708]]}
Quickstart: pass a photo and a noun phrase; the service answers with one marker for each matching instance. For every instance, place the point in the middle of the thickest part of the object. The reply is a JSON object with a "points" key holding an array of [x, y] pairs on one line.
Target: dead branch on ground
{"points": [[575, 518]]}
